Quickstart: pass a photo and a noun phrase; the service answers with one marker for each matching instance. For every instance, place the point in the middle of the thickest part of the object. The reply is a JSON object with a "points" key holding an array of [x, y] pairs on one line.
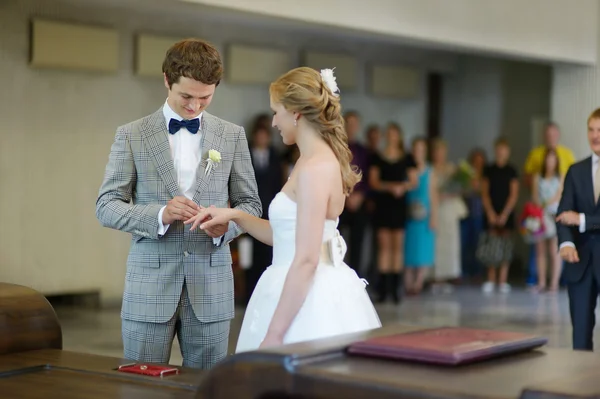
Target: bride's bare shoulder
{"points": [[319, 174], [321, 166]]}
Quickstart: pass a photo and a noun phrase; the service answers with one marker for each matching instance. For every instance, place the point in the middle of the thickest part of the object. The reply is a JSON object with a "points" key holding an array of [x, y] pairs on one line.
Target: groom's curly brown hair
{"points": [[195, 59]]}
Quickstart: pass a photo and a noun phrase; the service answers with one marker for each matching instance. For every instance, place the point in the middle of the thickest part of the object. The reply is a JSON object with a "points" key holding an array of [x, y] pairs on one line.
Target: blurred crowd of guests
{"points": [[417, 218]]}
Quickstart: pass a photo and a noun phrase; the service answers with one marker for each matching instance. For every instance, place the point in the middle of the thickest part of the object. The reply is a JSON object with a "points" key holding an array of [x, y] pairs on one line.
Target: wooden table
{"points": [[52, 373], [34, 366], [323, 370]]}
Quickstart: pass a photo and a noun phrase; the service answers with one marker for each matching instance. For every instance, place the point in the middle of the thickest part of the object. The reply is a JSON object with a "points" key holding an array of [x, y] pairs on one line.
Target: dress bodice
{"points": [[548, 187], [282, 216], [421, 192]]}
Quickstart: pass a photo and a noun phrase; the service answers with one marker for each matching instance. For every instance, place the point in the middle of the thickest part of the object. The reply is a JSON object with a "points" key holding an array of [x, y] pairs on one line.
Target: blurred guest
{"points": [[452, 209], [353, 220], [266, 163], [373, 139], [500, 191], [390, 177], [536, 157], [546, 192], [422, 202], [472, 225], [264, 121], [533, 166]]}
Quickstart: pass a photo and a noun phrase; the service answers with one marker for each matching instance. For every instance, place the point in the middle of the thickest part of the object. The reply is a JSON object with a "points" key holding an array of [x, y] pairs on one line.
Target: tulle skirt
{"points": [[337, 303]]}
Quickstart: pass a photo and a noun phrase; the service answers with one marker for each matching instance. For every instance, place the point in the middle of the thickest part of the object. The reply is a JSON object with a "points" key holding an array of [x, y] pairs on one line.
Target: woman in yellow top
{"points": [[535, 159]]}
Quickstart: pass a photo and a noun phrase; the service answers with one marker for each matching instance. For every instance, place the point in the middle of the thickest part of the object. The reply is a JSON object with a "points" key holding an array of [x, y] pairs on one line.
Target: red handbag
{"points": [[533, 212]]}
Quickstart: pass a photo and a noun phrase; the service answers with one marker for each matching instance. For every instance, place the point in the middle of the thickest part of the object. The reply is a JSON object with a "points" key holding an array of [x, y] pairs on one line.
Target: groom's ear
{"points": [[166, 81]]}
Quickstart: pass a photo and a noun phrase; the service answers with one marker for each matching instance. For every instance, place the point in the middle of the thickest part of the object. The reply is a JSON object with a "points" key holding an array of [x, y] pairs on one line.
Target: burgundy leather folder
{"points": [[447, 345]]}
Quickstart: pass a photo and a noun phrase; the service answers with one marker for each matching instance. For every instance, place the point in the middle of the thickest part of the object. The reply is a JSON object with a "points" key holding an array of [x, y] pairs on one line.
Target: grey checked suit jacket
{"points": [[140, 179]]}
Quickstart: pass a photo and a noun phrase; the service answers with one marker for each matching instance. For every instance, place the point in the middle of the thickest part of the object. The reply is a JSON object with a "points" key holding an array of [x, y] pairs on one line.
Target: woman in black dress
{"points": [[391, 175], [499, 194]]}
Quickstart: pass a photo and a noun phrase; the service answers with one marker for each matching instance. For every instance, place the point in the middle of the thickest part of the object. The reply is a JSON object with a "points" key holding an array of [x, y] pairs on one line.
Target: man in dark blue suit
{"points": [[578, 224]]}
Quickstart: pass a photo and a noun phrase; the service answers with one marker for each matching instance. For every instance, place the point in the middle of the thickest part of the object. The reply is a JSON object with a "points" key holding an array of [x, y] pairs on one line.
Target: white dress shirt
{"points": [[595, 164], [186, 151]]}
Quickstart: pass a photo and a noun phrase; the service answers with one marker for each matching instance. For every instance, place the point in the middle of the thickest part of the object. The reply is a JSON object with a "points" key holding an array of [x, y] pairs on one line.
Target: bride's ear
{"points": [[297, 116]]}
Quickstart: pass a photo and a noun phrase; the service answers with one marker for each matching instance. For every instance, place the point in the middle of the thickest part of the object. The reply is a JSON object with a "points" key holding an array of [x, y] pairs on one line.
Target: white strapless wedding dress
{"points": [[337, 302]]}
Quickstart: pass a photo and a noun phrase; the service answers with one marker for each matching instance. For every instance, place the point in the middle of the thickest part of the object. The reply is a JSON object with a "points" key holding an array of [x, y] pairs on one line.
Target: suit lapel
{"points": [[155, 136], [588, 183], [212, 139]]}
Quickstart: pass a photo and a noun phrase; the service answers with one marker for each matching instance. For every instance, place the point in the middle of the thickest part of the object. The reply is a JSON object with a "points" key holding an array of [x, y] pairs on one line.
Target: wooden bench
{"points": [[34, 366]]}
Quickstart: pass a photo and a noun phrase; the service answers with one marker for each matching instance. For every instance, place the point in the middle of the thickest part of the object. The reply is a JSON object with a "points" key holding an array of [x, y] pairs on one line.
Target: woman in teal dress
{"points": [[422, 202]]}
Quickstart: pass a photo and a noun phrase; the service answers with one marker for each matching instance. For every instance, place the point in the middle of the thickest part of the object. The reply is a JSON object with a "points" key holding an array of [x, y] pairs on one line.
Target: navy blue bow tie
{"points": [[191, 125]]}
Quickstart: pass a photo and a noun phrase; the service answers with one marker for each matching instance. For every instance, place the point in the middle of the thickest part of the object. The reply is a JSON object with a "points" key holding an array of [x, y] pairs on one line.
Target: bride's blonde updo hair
{"points": [[303, 90]]}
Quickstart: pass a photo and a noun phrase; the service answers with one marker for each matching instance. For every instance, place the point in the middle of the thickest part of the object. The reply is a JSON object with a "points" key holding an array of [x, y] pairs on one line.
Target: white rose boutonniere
{"points": [[214, 157]]}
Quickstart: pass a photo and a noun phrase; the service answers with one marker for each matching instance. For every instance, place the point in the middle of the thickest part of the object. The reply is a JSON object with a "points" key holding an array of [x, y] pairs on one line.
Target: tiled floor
{"points": [[100, 331]]}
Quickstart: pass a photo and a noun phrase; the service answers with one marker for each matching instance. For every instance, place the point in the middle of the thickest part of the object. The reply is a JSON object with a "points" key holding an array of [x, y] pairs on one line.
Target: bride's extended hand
{"points": [[270, 341], [209, 217]]}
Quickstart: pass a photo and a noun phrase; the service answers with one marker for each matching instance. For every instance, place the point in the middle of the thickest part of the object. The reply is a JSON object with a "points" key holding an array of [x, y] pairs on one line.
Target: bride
{"points": [[308, 292]]}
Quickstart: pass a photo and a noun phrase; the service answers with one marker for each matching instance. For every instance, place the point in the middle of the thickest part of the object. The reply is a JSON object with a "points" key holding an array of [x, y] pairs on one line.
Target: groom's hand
{"points": [[217, 230], [179, 208]]}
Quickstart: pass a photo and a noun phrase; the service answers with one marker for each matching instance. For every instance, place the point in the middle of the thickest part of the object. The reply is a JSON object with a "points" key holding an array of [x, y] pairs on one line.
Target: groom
{"points": [[159, 173]]}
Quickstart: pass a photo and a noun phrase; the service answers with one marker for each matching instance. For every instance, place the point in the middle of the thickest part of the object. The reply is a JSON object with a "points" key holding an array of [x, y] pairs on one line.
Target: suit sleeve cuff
{"points": [[232, 232], [162, 229], [566, 244], [582, 223]]}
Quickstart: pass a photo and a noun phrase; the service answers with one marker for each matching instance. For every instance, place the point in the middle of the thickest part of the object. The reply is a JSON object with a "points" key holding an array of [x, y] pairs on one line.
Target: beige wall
{"points": [[485, 98], [526, 100], [575, 94], [543, 29], [57, 127]]}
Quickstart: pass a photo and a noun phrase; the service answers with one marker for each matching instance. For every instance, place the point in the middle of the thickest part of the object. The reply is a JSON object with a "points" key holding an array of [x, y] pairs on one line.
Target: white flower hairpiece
{"points": [[329, 79]]}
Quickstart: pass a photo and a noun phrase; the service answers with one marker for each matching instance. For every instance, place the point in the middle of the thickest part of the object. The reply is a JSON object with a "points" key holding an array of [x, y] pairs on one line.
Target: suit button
{"points": [[186, 254]]}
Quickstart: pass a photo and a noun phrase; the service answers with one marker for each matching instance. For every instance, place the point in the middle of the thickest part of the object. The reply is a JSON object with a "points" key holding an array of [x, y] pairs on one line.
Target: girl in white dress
{"points": [[547, 190], [308, 292]]}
